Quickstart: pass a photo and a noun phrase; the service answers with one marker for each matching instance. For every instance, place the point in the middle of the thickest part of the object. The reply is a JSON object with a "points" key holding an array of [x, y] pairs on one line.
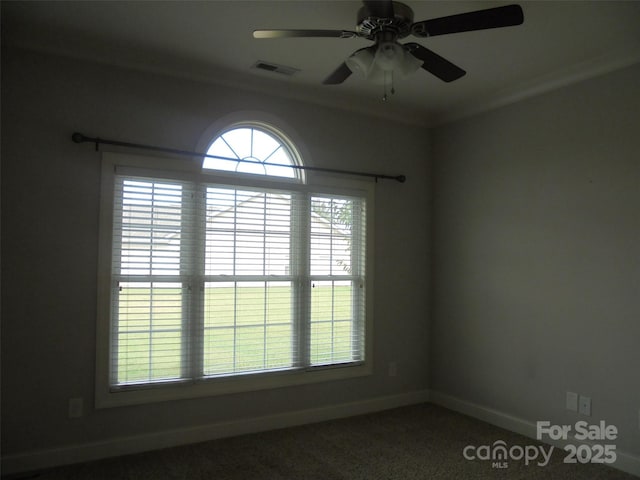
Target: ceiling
{"points": [[559, 42]]}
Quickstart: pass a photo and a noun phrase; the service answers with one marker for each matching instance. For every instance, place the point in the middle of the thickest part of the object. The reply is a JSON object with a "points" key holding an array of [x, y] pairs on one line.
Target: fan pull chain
{"points": [[393, 90], [384, 96]]}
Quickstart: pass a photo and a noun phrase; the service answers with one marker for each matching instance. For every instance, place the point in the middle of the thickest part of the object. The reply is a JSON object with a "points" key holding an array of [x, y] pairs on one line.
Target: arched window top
{"points": [[253, 148]]}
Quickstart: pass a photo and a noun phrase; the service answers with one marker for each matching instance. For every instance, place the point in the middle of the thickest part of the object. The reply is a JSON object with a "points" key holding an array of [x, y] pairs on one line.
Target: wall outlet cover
{"points": [[584, 405], [572, 401]]}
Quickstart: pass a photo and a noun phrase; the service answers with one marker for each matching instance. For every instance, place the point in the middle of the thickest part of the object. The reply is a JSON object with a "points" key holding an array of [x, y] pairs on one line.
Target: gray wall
{"points": [[50, 195], [536, 244], [536, 234]]}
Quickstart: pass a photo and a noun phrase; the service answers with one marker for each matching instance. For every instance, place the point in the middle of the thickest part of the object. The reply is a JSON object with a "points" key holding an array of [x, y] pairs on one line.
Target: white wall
{"points": [[537, 256], [50, 194]]}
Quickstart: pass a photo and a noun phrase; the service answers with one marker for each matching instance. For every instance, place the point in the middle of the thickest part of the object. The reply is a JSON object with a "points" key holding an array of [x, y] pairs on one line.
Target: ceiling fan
{"points": [[385, 22]]}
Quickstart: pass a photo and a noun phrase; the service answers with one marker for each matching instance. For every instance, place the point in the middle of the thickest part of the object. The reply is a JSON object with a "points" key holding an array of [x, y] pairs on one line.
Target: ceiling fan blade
{"points": [[465, 22], [303, 33], [338, 76], [434, 63], [380, 8]]}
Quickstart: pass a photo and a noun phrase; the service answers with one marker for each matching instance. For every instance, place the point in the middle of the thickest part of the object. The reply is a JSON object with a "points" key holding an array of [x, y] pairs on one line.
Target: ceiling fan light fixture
{"points": [[409, 64], [360, 62], [379, 76], [389, 58]]}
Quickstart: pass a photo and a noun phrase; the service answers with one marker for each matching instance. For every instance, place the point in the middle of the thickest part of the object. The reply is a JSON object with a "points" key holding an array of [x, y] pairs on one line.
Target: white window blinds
{"points": [[249, 290], [337, 280], [150, 309], [216, 280]]}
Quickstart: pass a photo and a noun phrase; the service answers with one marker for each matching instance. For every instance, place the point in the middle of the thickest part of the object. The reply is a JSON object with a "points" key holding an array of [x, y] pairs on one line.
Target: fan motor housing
{"points": [[370, 26]]}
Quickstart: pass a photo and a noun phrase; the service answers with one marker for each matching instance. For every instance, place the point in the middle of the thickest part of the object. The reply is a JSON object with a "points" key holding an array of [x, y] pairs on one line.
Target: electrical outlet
{"points": [[584, 405], [572, 401], [393, 369], [75, 407]]}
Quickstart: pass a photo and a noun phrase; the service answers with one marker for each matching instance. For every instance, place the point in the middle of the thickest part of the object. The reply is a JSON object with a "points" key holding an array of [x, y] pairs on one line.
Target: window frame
{"points": [[255, 125], [191, 170]]}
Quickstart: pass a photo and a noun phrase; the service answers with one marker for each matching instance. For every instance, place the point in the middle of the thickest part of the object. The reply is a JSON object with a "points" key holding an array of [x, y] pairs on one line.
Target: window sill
{"points": [[227, 385]]}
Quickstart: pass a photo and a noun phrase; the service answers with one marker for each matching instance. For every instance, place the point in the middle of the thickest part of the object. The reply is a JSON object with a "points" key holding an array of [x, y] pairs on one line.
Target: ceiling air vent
{"points": [[273, 67]]}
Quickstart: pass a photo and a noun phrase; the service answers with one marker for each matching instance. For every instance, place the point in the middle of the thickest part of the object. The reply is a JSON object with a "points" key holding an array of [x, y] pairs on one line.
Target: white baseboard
{"points": [[32, 461], [625, 461]]}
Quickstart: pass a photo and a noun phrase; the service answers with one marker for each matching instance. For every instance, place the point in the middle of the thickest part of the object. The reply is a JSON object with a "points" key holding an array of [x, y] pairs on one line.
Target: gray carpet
{"points": [[417, 442]]}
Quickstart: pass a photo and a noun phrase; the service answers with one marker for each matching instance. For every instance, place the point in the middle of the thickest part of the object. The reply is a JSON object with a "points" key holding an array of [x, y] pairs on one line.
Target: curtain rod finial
{"points": [[78, 137], [401, 178]]}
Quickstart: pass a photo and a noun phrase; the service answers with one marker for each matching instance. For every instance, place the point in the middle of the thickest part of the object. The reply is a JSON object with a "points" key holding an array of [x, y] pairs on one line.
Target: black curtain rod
{"points": [[80, 138]]}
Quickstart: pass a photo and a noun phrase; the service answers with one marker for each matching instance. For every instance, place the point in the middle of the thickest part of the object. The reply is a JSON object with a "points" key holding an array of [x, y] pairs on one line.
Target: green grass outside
{"points": [[248, 328]]}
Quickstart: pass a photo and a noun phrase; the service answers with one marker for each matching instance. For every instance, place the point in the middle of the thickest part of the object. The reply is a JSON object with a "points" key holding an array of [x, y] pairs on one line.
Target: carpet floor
{"points": [[415, 442]]}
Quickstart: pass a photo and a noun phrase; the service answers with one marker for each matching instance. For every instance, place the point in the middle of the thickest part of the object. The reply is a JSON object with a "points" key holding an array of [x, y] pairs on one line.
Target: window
{"points": [[214, 285], [252, 148]]}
